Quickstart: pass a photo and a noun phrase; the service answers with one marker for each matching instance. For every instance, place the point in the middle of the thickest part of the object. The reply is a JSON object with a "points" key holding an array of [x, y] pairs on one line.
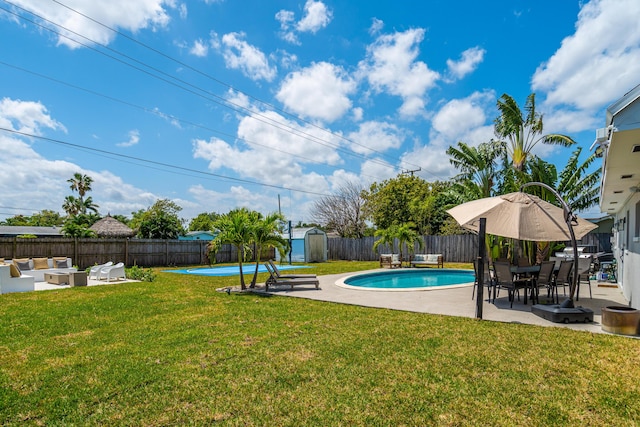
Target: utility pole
{"points": [[404, 172]]}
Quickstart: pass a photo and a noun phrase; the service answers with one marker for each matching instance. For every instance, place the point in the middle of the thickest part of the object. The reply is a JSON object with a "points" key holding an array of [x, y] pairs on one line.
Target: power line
{"points": [[154, 163], [172, 117], [205, 94], [227, 85], [223, 102]]}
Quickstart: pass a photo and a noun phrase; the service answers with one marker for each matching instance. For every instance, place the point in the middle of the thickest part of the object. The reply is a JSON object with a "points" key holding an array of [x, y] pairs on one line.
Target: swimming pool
{"points": [[408, 280], [231, 270]]}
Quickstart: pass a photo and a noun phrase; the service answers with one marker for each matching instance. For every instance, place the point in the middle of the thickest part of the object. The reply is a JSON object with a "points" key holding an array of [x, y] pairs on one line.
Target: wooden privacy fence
{"points": [[142, 252], [456, 248], [159, 252]]}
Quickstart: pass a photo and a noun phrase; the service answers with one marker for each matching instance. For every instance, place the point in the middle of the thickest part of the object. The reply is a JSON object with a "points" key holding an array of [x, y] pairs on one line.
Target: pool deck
{"points": [[456, 301]]}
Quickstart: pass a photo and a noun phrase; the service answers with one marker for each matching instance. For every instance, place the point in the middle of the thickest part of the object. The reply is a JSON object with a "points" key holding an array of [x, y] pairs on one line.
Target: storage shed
{"points": [[307, 245]]}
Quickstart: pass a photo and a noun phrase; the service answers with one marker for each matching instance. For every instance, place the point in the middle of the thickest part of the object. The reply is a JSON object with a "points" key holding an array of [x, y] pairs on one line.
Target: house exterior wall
{"points": [[626, 249]]}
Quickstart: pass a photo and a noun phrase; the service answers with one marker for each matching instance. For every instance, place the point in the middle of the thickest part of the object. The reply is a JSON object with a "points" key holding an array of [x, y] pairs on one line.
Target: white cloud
{"points": [[26, 116], [468, 62], [25, 171], [598, 63], [458, 120], [316, 16], [380, 169], [375, 137], [358, 113], [458, 117], [376, 26], [134, 138], [199, 48], [253, 197], [238, 54], [319, 91], [130, 15], [391, 67], [271, 155], [182, 9]]}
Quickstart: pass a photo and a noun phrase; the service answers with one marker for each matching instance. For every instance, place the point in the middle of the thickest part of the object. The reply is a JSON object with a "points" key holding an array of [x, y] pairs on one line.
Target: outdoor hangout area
{"points": [[32, 274]]}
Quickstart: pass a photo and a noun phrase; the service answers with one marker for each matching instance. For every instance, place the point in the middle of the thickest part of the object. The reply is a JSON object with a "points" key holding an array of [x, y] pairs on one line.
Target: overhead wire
{"points": [[205, 94], [172, 117], [229, 86], [159, 164]]}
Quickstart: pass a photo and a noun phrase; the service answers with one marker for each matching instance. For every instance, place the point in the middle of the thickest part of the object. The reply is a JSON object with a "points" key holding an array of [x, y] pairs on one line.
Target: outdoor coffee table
{"points": [[56, 278]]}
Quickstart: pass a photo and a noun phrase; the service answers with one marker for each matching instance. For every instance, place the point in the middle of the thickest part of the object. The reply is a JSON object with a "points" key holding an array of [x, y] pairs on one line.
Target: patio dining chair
{"points": [[585, 269], [505, 280], [563, 278], [545, 278], [488, 281]]}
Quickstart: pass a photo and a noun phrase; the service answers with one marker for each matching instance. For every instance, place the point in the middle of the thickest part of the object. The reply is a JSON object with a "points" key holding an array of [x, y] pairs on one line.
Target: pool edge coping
{"points": [[340, 283]]}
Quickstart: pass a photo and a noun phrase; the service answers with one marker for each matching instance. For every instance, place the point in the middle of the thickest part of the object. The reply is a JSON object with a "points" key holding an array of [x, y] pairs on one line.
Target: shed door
{"points": [[316, 248]]}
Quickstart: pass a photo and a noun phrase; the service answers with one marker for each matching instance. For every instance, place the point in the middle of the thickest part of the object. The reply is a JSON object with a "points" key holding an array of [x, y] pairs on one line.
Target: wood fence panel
{"points": [[157, 252]]}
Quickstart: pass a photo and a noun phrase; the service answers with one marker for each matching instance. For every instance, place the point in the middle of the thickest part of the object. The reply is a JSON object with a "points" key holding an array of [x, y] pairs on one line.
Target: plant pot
{"points": [[621, 320]]}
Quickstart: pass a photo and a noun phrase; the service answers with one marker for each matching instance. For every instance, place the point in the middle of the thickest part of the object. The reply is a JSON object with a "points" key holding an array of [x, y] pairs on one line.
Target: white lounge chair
{"points": [[93, 273], [115, 272]]}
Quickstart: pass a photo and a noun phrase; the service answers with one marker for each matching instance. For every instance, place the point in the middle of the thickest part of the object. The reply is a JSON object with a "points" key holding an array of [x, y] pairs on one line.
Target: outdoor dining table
{"points": [[531, 271]]}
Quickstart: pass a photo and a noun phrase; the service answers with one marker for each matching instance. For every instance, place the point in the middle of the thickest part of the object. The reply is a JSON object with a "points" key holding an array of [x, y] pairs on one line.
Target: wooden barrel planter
{"points": [[621, 320]]}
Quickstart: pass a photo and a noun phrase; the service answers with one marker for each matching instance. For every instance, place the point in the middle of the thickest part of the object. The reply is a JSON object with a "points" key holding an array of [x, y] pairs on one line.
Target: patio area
{"points": [[457, 301], [44, 286]]}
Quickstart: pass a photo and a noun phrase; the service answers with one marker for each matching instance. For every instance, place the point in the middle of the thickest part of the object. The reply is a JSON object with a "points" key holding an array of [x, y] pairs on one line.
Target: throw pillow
{"points": [[14, 271], [40, 264], [62, 264], [22, 266]]}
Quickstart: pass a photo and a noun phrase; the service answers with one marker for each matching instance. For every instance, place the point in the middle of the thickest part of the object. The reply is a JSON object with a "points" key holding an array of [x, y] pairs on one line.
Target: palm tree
{"points": [[235, 228], [387, 237], [577, 187], [477, 166], [82, 184], [71, 206], [406, 234], [522, 133], [264, 233]]}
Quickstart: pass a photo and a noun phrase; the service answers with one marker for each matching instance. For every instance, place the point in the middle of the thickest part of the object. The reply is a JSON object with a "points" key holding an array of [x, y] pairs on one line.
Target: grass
{"points": [[175, 351]]}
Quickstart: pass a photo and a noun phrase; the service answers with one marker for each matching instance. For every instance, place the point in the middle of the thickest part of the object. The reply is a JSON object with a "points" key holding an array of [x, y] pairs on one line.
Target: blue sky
{"points": [[216, 104]]}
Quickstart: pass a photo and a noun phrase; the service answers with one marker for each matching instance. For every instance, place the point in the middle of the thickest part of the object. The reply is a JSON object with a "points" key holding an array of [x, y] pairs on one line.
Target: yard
{"points": [[176, 351]]}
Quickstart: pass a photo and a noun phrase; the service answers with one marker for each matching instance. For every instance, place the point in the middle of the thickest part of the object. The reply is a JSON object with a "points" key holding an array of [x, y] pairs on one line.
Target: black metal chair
{"points": [[563, 278], [545, 278], [488, 280], [505, 280], [585, 269]]}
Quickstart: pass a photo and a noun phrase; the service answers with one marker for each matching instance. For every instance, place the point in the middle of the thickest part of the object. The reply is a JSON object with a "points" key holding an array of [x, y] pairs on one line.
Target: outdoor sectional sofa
{"points": [[37, 267], [420, 260], [13, 281]]}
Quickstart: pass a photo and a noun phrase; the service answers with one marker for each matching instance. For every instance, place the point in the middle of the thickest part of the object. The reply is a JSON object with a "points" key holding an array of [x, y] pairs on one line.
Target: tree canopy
{"points": [[160, 221]]}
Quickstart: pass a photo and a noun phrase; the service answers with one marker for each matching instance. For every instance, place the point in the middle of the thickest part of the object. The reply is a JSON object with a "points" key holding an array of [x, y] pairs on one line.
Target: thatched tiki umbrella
{"points": [[111, 227]]}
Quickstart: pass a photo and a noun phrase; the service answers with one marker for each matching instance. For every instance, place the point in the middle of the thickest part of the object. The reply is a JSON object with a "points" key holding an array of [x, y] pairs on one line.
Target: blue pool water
{"points": [[232, 270], [406, 279]]}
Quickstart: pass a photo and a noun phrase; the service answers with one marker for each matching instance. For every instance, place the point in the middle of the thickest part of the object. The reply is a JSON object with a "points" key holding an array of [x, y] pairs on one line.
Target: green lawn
{"points": [[176, 352]]}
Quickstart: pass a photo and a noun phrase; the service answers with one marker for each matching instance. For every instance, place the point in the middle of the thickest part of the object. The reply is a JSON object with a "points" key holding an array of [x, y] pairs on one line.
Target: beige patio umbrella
{"points": [[520, 216]]}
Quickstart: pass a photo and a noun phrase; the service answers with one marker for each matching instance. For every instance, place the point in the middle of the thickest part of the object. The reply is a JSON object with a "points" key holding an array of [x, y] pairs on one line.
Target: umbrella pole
{"points": [[569, 218], [480, 267]]}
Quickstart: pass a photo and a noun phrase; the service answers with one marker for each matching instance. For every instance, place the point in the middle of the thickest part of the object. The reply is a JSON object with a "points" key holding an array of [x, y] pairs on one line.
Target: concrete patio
{"points": [[456, 301], [44, 286]]}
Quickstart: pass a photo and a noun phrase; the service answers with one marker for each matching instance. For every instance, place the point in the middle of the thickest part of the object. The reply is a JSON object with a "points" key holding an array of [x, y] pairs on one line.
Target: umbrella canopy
{"points": [[111, 227], [519, 216]]}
